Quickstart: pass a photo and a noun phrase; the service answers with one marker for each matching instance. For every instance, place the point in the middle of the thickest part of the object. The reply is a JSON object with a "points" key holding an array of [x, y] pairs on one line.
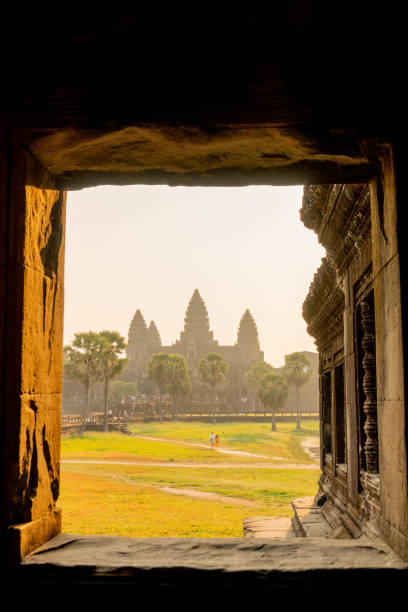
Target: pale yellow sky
{"points": [[149, 247]]}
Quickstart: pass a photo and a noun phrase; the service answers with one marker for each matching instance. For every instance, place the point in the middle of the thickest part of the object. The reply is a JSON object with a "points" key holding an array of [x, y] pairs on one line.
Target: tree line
{"points": [[95, 357], [272, 387]]}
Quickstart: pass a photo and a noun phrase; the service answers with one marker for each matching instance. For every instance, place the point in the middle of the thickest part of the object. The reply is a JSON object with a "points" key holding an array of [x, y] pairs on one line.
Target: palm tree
{"points": [[273, 392], [253, 377], [160, 370], [213, 369], [298, 371], [81, 364], [111, 345], [180, 383]]}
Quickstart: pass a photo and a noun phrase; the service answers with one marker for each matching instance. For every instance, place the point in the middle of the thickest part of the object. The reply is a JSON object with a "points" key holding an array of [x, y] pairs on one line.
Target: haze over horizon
{"points": [[148, 248]]}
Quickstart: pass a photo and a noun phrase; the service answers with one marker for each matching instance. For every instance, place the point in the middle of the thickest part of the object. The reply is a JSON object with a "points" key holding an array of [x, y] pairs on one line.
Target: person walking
{"points": [[217, 441], [212, 439]]}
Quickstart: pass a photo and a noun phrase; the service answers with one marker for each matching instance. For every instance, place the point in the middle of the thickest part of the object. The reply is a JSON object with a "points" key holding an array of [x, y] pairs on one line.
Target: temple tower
{"points": [[247, 338], [196, 322], [137, 337], [153, 338]]}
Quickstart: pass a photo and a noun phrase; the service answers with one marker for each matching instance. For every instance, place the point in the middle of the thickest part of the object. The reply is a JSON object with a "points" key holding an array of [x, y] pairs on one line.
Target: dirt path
{"points": [[312, 447], [237, 501], [220, 466], [224, 451]]}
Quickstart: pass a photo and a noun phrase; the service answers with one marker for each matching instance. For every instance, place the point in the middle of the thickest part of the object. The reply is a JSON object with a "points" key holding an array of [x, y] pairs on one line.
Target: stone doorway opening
{"points": [[330, 209]]}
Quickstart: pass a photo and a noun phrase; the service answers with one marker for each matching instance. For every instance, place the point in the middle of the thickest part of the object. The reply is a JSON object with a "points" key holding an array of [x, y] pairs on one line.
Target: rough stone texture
{"points": [[389, 342], [190, 156], [33, 336], [324, 305], [268, 527], [308, 519], [359, 229], [296, 563]]}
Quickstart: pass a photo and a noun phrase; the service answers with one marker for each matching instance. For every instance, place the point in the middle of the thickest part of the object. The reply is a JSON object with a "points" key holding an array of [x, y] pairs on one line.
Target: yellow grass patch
{"points": [[96, 505]]}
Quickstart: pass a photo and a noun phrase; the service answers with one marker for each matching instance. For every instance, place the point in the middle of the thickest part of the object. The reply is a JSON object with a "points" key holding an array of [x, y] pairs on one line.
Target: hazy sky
{"points": [[149, 247]]}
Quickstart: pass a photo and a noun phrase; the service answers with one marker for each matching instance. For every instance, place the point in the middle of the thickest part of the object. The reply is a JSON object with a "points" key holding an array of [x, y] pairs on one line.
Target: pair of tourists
{"points": [[214, 440]]}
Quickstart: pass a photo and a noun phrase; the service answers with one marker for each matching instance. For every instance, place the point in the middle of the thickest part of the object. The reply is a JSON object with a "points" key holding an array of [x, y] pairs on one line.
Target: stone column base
{"points": [[26, 537]]}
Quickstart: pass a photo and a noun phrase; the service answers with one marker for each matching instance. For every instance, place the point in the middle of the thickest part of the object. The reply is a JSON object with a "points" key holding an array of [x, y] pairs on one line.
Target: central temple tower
{"points": [[247, 338], [196, 322], [196, 340]]}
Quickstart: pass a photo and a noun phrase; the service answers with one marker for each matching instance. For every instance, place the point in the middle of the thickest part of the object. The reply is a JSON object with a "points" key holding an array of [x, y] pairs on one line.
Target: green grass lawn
{"points": [[256, 438], [125, 500]]}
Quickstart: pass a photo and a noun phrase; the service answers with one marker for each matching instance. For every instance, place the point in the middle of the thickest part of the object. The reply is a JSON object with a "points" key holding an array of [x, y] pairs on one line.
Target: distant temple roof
{"points": [[153, 336], [137, 334], [144, 341], [248, 333], [196, 321]]}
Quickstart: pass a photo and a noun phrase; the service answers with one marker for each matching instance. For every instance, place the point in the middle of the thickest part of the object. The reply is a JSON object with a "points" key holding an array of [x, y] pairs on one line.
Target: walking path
{"points": [[236, 501], [312, 447], [219, 466], [223, 451]]}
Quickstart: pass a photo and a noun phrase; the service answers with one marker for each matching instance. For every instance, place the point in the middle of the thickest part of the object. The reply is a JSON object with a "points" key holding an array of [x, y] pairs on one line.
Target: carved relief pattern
{"points": [[340, 216], [369, 387], [324, 306]]}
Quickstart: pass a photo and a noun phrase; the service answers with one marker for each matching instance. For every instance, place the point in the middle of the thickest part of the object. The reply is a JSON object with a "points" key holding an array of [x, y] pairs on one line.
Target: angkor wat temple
{"points": [[196, 340]]}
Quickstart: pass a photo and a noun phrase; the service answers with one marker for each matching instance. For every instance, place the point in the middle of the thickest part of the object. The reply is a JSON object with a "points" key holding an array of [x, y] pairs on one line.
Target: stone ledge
{"points": [[268, 527], [108, 554], [308, 521], [69, 565]]}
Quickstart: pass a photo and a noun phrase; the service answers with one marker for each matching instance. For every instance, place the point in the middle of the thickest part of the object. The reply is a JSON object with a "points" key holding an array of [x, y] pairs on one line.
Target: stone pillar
{"points": [[350, 393], [321, 414], [389, 352], [32, 268], [369, 387]]}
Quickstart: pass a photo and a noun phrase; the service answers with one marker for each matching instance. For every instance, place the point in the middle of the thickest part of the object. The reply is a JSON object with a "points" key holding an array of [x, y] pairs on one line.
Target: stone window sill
{"points": [[226, 562]]}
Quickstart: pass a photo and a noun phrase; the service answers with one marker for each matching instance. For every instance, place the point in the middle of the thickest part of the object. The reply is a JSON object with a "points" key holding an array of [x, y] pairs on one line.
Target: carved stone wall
{"points": [[340, 216], [357, 224]]}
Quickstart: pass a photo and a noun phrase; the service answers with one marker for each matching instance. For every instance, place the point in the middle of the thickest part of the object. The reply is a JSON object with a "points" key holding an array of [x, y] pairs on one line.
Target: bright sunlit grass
{"points": [[100, 506], [273, 487], [251, 438], [125, 499]]}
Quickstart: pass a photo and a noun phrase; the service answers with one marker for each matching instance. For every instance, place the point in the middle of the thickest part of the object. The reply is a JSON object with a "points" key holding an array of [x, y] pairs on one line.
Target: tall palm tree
{"points": [[180, 383], [160, 371], [298, 371], [81, 364], [111, 346], [213, 369], [273, 392], [253, 377]]}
